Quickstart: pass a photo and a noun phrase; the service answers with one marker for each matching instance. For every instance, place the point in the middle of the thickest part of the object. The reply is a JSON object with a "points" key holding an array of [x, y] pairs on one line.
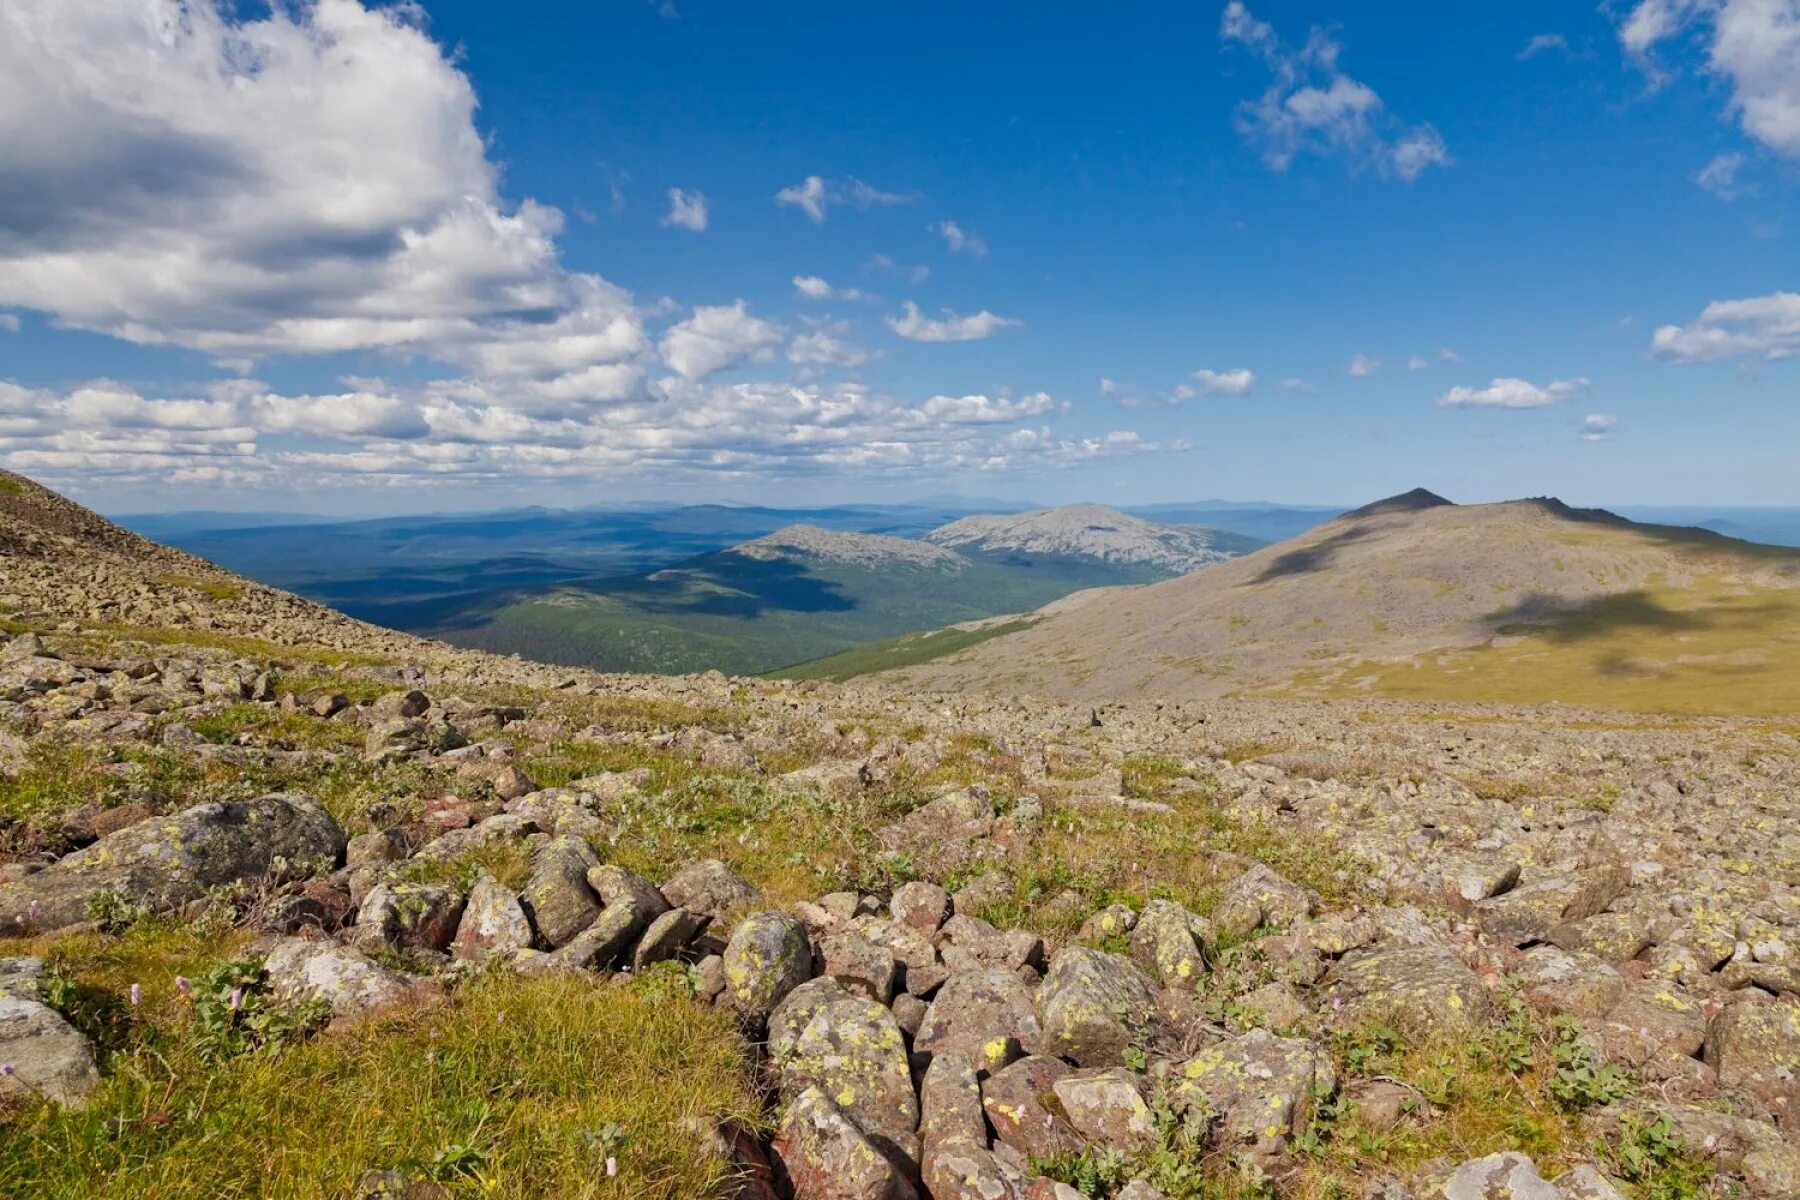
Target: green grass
{"points": [[1712, 648], [510, 1087], [212, 589], [908, 650]]}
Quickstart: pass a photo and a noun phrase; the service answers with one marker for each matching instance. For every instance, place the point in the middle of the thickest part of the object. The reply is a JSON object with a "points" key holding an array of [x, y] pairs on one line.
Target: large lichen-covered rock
{"points": [[1423, 991], [1755, 1047], [1093, 1006], [420, 916], [1276, 900], [1532, 911], [1262, 1087], [1014, 1100], [860, 965], [820, 1154], [767, 957], [346, 979], [989, 1015], [1505, 1176], [667, 936], [710, 887], [1169, 941], [957, 1162], [1651, 1023], [493, 922], [1106, 1105], [44, 1054], [166, 862], [851, 1049], [1573, 984], [557, 896]]}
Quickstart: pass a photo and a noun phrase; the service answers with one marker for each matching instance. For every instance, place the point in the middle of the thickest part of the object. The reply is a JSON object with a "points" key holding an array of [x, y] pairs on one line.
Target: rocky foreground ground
{"points": [[831, 943]]}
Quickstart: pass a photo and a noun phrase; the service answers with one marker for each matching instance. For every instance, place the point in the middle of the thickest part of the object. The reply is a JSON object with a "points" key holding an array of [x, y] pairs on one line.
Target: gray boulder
{"points": [[1093, 1006], [767, 957]]}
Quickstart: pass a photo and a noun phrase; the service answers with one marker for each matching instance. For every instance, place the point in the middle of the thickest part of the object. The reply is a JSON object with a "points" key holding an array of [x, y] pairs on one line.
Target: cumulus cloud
{"points": [[917, 327], [1766, 327], [175, 175], [814, 288], [687, 210], [827, 344], [960, 240], [1512, 393], [1361, 366], [1752, 44], [1416, 362], [1237, 382], [1312, 107], [717, 337], [816, 195]]}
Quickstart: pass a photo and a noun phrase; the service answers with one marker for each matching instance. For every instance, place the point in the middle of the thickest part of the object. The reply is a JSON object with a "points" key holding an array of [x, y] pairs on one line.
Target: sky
{"points": [[361, 258]]}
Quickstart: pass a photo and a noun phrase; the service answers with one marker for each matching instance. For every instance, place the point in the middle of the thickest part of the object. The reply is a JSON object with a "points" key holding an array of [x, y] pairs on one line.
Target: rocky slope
{"points": [[1085, 531], [871, 551], [1392, 582], [980, 948]]}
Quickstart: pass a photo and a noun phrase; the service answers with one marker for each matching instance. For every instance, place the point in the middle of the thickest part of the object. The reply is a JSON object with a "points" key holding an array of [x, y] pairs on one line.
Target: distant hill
{"points": [[1527, 601], [805, 592], [1089, 532], [1260, 521]]}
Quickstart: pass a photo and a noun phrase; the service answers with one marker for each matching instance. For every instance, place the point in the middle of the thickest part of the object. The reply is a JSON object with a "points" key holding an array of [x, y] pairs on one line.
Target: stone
{"points": [[820, 1154], [1137, 1189], [710, 887], [852, 1050], [493, 922], [404, 705], [983, 892], [602, 944], [375, 849], [667, 936], [1650, 1023], [1093, 1006], [988, 1014], [1106, 1106], [1467, 879], [1555, 981], [44, 1054], [1274, 1006], [557, 896], [1614, 937], [1169, 941], [1262, 1087], [416, 916], [1423, 991], [1113, 921], [1279, 900], [1585, 1182], [166, 862], [957, 1164], [860, 965], [1013, 1099], [1531, 911], [768, 956], [346, 979], [1754, 1045], [1505, 1176], [923, 906], [910, 1012], [1334, 937], [970, 943]]}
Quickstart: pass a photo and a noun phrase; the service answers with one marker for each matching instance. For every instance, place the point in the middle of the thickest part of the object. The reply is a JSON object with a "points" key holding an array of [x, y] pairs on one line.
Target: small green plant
{"points": [[114, 912], [1652, 1156], [456, 1161], [234, 1014], [1577, 1080], [1099, 1174]]}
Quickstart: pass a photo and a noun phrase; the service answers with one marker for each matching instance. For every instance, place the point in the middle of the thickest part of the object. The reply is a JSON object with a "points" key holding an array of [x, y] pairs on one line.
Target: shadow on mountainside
{"points": [[731, 585], [1635, 612], [1315, 557]]}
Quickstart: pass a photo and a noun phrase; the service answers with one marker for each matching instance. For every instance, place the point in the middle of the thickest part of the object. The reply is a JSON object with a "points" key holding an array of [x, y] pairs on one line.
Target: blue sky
{"points": [[368, 259]]}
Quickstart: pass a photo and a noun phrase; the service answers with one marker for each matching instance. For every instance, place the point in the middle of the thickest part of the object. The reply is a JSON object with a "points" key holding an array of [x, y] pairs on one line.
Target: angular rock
{"points": [[1262, 1087], [1106, 1105], [1531, 911], [557, 896], [1279, 900], [957, 1162], [768, 956], [1013, 1098], [1558, 982], [45, 1055], [1755, 1047], [709, 887], [969, 943], [346, 979], [1423, 991], [860, 965], [1169, 941], [1093, 1006], [987, 1014], [167, 862], [667, 936], [419, 916], [820, 1154], [851, 1049], [924, 906], [1505, 1176], [493, 922]]}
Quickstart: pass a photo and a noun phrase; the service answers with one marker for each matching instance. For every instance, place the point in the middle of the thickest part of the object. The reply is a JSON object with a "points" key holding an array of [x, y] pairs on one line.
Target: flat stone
{"points": [[667, 936], [47, 1056], [988, 1014], [1093, 1006], [557, 896], [1263, 1088], [1106, 1105], [710, 887], [852, 1050], [820, 1154], [346, 979], [493, 922], [1423, 991]]}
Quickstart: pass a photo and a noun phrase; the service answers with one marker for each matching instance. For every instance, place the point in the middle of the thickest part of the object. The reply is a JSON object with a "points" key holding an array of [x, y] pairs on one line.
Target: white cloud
{"points": [[915, 326], [815, 196], [1599, 427], [960, 240], [812, 287], [1361, 366], [1764, 327], [1512, 393], [1416, 362], [717, 337], [9, 322], [687, 210], [1543, 43], [1312, 107], [1236, 382], [1293, 384], [1754, 44], [983, 410], [1720, 176], [827, 345], [1447, 355], [175, 175], [881, 262]]}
